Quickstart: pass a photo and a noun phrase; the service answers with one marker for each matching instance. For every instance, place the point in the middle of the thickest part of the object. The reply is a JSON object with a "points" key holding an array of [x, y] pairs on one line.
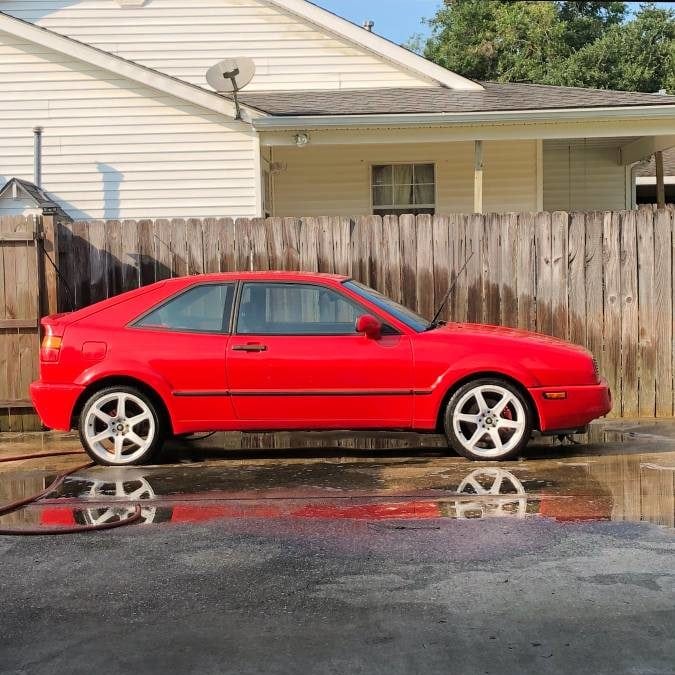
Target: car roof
{"points": [[266, 275]]}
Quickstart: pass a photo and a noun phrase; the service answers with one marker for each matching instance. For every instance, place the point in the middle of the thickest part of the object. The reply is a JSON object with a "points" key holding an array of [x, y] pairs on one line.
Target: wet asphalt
{"points": [[346, 559]]}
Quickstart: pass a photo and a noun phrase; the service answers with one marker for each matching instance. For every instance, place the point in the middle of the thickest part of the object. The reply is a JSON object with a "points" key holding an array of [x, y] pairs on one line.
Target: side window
{"points": [[295, 309], [201, 309]]}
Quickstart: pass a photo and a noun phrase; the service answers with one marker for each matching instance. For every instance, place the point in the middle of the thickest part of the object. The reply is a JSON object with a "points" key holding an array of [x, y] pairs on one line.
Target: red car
{"points": [[284, 350]]}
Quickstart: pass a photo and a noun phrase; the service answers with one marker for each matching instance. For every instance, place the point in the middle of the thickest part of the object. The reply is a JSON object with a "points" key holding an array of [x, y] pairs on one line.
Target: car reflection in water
{"points": [[487, 492]]}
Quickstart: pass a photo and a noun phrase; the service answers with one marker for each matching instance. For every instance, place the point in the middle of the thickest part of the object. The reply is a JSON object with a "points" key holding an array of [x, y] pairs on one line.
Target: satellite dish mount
{"points": [[231, 76]]}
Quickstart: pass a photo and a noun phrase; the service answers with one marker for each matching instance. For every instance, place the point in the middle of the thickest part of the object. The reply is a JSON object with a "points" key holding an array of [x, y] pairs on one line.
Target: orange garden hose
{"points": [[56, 483]]}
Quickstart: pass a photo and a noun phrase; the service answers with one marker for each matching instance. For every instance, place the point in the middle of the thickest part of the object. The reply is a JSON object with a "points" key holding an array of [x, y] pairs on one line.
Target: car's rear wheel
{"points": [[488, 419], [121, 426]]}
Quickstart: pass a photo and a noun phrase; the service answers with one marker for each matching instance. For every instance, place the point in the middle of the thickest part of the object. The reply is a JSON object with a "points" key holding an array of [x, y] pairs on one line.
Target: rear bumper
{"points": [[583, 405], [54, 403]]}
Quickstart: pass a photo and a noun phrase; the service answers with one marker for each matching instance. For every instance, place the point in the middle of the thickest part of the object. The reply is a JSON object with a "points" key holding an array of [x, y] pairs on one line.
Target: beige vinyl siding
{"points": [[583, 175], [335, 180], [116, 149], [184, 39]]}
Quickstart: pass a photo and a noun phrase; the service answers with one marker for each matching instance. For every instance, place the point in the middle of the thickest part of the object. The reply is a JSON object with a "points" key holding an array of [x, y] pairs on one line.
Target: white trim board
{"points": [[374, 43], [651, 180]]}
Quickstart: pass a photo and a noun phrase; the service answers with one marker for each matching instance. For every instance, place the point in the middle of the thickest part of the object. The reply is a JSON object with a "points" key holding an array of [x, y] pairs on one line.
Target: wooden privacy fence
{"points": [[19, 316], [603, 280]]}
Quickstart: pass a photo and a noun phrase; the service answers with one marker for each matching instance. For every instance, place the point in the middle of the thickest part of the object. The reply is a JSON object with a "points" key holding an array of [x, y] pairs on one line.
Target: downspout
{"points": [[37, 156]]}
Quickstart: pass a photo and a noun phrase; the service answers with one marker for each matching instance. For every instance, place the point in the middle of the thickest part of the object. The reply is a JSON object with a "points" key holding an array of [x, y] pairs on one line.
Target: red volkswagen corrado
{"points": [[284, 350]]}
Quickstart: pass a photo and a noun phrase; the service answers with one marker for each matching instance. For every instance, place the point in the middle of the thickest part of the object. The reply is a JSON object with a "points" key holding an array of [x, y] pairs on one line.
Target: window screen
{"points": [[295, 309], [403, 188], [202, 309]]}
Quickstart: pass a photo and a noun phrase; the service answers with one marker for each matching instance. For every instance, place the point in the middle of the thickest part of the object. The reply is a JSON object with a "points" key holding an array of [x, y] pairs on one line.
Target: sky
{"points": [[396, 20]]}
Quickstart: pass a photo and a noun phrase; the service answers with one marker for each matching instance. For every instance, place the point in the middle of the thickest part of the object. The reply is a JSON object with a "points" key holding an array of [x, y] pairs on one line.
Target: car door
{"points": [[184, 340], [295, 359]]}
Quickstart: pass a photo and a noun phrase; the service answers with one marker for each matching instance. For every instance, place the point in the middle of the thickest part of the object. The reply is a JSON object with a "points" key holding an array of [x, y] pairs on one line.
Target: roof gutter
{"points": [[309, 122]]}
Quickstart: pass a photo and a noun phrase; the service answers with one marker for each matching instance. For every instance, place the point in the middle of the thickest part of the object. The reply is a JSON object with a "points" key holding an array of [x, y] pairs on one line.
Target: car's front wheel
{"points": [[488, 419], [120, 426]]}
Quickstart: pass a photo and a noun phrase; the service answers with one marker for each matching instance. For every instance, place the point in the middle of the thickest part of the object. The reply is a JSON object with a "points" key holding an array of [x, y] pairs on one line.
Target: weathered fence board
{"points": [[604, 280], [19, 315]]}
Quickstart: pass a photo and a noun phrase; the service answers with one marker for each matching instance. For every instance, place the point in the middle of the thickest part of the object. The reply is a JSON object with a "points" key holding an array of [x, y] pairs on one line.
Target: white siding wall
{"points": [[184, 39], [335, 180], [113, 148], [583, 175]]}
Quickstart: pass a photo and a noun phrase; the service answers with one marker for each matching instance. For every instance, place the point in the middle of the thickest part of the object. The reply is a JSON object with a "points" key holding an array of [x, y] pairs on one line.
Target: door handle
{"points": [[250, 348]]}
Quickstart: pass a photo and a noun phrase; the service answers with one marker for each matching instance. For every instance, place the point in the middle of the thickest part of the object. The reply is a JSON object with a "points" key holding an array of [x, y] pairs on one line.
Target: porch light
{"points": [[301, 139]]}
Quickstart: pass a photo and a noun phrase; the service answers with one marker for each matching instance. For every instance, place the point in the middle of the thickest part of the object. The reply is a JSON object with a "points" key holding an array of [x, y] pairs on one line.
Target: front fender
{"points": [[429, 398]]}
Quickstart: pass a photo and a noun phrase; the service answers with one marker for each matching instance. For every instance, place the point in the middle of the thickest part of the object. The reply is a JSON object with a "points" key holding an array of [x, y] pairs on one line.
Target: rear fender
{"points": [[131, 369]]}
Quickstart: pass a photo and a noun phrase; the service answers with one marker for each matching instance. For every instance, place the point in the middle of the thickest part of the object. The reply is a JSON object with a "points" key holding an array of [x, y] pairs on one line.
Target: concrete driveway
{"points": [[340, 560]]}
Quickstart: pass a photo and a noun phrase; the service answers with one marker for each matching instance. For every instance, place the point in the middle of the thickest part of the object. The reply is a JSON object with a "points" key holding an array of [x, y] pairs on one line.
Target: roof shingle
{"points": [[495, 97]]}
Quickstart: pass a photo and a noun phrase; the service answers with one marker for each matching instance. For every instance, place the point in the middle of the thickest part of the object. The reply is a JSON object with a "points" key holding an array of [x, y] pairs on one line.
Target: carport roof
{"points": [[495, 97]]}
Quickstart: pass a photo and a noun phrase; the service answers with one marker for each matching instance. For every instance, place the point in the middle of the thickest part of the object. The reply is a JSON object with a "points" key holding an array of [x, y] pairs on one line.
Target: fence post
{"points": [[49, 264]]}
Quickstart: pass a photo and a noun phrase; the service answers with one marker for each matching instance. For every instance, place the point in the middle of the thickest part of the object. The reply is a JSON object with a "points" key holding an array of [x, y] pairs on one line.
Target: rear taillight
{"points": [[50, 348]]}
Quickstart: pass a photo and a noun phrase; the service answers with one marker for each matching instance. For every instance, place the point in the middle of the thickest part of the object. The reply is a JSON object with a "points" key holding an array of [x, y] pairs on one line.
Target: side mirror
{"points": [[369, 325]]}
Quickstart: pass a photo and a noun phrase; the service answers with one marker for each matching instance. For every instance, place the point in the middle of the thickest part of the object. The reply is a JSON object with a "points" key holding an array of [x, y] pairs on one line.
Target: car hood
{"points": [[504, 333]]}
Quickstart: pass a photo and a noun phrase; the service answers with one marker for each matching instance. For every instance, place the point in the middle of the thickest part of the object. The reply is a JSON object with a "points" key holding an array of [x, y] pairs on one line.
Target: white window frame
{"points": [[413, 207]]}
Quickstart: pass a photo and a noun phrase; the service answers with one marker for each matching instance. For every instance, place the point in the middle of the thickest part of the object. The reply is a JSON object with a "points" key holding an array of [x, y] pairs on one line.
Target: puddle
{"points": [[378, 491]]}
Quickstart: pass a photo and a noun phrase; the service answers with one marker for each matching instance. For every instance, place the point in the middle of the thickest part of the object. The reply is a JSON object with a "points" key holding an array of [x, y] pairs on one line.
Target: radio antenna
{"points": [[434, 321]]}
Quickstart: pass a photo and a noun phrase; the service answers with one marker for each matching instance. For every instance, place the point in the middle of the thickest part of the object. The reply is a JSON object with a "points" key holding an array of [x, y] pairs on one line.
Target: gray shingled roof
{"points": [[38, 195], [496, 97], [668, 165]]}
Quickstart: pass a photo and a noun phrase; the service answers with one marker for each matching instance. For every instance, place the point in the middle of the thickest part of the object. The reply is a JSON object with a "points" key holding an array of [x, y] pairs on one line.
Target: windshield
{"points": [[403, 314]]}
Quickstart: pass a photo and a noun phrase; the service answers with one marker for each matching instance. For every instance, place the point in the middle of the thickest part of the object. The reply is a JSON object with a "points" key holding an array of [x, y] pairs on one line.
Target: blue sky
{"points": [[396, 20]]}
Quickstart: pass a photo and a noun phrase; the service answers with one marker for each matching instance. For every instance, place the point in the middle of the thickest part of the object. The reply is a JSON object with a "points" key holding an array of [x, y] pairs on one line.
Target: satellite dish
{"points": [[231, 75]]}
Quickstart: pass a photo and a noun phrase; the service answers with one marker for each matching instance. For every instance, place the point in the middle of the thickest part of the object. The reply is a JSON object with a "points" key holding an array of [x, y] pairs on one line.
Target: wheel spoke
{"points": [[141, 493], [133, 421], [104, 417], [496, 438], [471, 419], [101, 437], [499, 408], [478, 434], [509, 424], [497, 485], [134, 438], [479, 489], [119, 445], [480, 399], [121, 405]]}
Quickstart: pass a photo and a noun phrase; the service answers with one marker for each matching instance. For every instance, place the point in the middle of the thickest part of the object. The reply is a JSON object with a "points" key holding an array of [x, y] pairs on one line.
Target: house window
{"points": [[403, 188]]}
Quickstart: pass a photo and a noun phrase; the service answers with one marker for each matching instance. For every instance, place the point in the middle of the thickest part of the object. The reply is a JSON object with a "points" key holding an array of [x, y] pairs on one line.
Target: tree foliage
{"points": [[586, 44]]}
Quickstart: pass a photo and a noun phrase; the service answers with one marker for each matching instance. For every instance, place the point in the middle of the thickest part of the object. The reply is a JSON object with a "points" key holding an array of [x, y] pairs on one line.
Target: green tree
{"points": [[636, 56], [567, 43]]}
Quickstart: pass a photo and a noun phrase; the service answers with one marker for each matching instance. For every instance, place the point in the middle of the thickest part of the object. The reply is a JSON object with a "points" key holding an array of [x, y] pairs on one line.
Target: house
{"points": [[336, 120], [645, 180], [27, 199]]}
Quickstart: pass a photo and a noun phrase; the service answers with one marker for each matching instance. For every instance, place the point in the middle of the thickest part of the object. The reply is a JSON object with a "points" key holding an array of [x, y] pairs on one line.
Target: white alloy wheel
{"points": [[488, 419], [119, 427], [124, 494], [501, 495]]}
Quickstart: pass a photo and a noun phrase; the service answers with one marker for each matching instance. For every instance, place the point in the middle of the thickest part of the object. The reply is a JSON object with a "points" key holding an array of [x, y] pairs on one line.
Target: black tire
{"points": [[513, 440], [158, 426]]}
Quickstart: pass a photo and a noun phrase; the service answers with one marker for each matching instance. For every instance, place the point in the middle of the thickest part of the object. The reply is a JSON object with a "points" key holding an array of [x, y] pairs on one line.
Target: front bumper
{"points": [[55, 403], [583, 404]]}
